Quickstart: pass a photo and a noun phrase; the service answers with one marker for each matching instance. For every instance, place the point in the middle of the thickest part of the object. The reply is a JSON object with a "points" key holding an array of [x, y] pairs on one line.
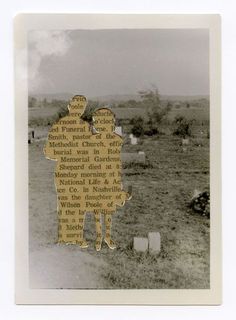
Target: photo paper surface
{"points": [[118, 117]]}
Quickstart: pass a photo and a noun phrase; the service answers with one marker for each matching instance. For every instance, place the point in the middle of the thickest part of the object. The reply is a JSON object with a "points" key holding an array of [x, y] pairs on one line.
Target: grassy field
{"points": [[198, 113], [161, 193], [160, 200]]}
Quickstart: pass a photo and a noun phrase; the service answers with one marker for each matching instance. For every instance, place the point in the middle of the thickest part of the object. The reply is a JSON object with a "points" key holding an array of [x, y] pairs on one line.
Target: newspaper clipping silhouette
{"points": [[87, 173]]}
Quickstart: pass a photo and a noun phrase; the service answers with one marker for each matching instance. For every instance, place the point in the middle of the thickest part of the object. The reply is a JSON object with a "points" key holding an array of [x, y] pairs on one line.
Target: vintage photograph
{"points": [[156, 82]]}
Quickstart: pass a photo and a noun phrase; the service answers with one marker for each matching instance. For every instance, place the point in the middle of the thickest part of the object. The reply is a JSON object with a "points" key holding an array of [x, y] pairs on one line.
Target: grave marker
{"points": [[133, 139], [140, 244], [154, 241], [118, 130]]}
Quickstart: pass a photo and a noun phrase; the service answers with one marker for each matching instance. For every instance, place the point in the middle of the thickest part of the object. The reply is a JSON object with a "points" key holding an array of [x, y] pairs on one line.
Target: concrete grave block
{"points": [[154, 241], [140, 244]]}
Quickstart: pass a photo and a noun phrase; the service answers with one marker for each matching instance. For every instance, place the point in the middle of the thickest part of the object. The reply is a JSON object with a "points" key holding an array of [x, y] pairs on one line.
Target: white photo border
{"points": [[23, 294]]}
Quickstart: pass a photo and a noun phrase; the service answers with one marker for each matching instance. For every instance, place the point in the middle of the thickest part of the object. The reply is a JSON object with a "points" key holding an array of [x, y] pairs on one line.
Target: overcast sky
{"points": [[104, 62]]}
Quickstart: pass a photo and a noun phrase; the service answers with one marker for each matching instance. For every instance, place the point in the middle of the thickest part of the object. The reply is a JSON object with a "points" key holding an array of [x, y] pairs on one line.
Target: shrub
{"points": [[137, 126], [137, 130], [151, 132], [182, 127], [63, 111]]}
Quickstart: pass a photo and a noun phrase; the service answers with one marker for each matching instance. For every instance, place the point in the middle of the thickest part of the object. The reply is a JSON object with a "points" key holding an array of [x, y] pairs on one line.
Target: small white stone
{"points": [[134, 140], [118, 130], [185, 142], [154, 241], [140, 244]]}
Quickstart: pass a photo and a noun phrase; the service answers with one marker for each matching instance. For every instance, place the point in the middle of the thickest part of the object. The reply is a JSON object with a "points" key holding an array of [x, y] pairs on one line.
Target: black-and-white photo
{"points": [[156, 82]]}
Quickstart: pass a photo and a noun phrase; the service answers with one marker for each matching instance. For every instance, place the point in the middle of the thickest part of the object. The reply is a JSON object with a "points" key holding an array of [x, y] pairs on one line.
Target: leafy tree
{"points": [[150, 98], [151, 101]]}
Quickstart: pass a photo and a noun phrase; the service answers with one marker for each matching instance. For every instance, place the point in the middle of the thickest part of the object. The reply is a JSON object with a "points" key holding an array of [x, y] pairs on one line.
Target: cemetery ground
{"points": [[161, 191]]}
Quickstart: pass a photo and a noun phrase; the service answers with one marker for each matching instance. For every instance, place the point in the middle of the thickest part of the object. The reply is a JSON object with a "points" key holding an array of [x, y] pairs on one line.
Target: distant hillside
{"points": [[116, 97], [52, 96], [184, 98]]}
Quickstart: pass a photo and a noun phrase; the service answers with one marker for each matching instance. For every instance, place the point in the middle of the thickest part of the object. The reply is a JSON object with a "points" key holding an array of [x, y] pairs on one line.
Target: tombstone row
{"points": [[151, 244]]}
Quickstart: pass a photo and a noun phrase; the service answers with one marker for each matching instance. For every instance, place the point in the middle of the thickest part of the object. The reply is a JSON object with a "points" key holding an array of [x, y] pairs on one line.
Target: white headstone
{"points": [[118, 130], [140, 244], [133, 139], [154, 241]]}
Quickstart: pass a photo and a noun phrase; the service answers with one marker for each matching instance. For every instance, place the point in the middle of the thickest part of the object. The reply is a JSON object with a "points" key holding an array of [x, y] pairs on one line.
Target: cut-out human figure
{"points": [[108, 187], [67, 144], [87, 173]]}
